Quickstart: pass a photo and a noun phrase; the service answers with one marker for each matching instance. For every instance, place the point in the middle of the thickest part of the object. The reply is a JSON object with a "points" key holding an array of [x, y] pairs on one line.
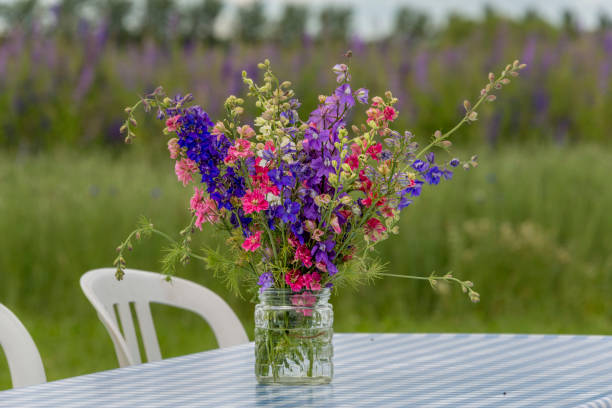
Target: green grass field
{"points": [[531, 227]]}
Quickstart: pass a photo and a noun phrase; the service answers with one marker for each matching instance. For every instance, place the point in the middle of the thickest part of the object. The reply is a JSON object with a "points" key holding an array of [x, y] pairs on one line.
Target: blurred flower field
{"points": [[58, 89], [530, 226]]}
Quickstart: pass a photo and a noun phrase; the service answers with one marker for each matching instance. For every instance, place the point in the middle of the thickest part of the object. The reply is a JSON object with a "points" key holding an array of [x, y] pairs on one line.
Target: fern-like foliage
{"points": [[228, 270]]}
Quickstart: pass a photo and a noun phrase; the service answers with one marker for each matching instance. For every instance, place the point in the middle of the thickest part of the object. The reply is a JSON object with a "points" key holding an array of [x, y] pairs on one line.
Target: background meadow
{"points": [[530, 226]]}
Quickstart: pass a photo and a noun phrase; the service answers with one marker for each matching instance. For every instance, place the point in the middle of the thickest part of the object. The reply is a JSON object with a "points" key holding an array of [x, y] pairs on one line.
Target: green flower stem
{"points": [[466, 286]]}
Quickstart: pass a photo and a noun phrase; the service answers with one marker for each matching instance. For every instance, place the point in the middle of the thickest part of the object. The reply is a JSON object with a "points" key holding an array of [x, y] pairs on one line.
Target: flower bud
{"points": [[491, 98], [491, 77], [467, 105], [346, 200]]}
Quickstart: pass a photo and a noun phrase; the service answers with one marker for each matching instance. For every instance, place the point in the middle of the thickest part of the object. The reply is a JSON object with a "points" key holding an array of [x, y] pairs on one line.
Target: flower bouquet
{"points": [[303, 201]]}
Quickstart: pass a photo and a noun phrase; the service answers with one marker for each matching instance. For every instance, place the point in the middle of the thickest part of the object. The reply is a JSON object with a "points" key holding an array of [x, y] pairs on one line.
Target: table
{"points": [[371, 370]]}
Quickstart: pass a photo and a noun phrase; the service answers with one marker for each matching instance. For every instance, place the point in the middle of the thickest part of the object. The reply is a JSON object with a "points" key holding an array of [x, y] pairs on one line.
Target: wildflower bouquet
{"points": [[303, 200]]}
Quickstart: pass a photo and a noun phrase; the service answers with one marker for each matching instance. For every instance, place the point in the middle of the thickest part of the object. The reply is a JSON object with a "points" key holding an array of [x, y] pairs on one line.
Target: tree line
{"points": [[164, 21]]}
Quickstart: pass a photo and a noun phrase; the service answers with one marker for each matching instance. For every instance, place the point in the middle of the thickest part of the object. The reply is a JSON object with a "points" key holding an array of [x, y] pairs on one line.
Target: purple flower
{"points": [[420, 165], [362, 95], [341, 71], [266, 280], [385, 155], [280, 178], [323, 168], [345, 95], [447, 174], [433, 175], [403, 203], [288, 211], [415, 190], [454, 162]]}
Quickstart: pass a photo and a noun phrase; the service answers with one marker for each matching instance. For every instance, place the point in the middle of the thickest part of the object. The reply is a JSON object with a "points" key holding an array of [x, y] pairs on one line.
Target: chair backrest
{"points": [[142, 288], [23, 358]]}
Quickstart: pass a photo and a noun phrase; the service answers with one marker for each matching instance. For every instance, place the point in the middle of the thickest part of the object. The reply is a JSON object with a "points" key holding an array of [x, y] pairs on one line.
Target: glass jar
{"points": [[293, 337]]}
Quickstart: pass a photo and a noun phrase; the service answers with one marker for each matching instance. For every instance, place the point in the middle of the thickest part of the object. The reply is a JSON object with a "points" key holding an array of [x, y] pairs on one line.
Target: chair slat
{"points": [[147, 331], [129, 333]]}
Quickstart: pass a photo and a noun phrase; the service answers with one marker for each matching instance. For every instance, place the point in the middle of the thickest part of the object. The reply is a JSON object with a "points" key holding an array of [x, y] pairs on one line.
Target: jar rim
{"points": [[282, 291]]}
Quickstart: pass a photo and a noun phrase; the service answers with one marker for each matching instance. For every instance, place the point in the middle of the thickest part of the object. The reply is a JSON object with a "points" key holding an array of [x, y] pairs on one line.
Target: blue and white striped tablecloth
{"points": [[371, 370]]}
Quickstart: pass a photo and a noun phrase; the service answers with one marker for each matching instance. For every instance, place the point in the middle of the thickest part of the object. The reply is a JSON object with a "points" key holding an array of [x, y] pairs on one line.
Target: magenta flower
{"points": [[374, 229], [254, 201], [294, 280], [302, 253], [252, 242], [390, 113]]}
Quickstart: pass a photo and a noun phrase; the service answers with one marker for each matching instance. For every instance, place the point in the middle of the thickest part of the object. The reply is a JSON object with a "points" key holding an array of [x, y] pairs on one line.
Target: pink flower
{"points": [[371, 199], [269, 146], [375, 150], [174, 148], [294, 280], [312, 281], [304, 303], [252, 242], [218, 129], [335, 224], [317, 234], [241, 149], [293, 241], [353, 161], [355, 149], [184, 170], [387, 211], [390, 113], [373, 115], [374, 229], [254, 201], [310, 226], [172, 124], [205, 208], [246, 131], [302, 253], [377, 100]]}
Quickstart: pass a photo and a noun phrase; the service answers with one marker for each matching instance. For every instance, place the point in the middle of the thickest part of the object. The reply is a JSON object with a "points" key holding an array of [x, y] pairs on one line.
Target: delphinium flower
{"points": [[303, 200]]}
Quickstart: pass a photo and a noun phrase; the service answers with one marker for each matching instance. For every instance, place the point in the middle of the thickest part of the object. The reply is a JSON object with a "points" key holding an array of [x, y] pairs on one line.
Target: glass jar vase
{"points": [[293, 337]]}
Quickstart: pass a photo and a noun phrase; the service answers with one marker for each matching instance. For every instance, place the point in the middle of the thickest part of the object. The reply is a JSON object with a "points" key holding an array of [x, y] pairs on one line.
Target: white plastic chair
{"points": [[141, 288], [23, 358]]}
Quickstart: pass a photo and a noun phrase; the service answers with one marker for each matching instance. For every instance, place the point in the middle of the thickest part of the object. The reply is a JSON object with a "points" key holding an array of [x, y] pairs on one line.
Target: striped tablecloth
{"points": [[371, 370]]}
